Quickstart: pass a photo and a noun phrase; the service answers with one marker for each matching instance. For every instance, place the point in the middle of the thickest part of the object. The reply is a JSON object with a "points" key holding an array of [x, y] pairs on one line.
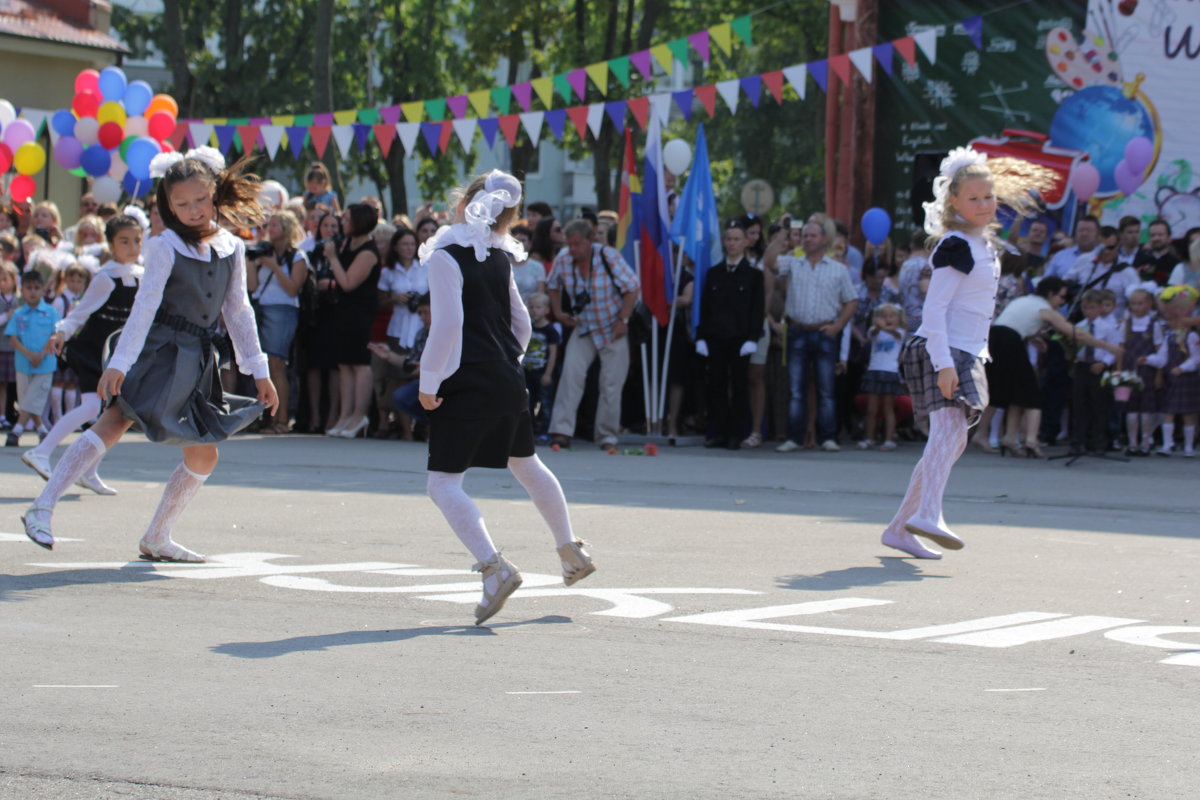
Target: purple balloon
{"points": [[1138, 153], [1085, 180], [68, 152], [17, 133], [1127, 180]]}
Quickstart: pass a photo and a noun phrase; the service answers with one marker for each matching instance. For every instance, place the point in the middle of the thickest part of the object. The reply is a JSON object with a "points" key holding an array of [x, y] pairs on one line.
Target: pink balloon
{"points": [[1085, 180], [18, 133], [88, 81], [1138, 153], [1127, 180]]}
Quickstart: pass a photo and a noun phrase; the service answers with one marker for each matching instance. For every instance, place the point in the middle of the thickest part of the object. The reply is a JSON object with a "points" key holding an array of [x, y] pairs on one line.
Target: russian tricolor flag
{"points": [[654, 228]]}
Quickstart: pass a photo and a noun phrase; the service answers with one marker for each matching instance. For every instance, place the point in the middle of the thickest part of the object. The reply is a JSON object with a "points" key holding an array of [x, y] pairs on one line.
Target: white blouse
{"points": [[959, 304], [404, 325]]}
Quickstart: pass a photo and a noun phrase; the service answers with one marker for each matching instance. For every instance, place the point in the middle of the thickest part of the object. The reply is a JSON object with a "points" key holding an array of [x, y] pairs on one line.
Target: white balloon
{"points": [[118, 169], [86, 129], [136, 126], [106, 190], [677, 155], [7, 112]]}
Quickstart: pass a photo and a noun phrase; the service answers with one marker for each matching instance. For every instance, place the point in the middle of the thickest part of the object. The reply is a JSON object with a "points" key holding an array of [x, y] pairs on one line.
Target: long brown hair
{"points": [[235, 197]]}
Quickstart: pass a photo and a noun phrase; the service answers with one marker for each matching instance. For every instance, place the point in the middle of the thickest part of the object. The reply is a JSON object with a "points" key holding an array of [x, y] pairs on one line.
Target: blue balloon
{"points": [[112, 83], [95, 161], [876, 224], [63, 122], [139, 154], [135, 187], [137, 96]]}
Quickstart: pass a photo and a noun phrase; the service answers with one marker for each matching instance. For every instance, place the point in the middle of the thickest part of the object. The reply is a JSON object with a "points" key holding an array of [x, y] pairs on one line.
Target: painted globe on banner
{"points": [[1100, 121]]}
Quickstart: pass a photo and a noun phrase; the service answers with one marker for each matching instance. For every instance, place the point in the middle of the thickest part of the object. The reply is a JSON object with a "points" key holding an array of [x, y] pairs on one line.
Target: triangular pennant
{"points": [[508, 126], [444, 139], [179, 135], [679, 49], [796, 76], [741, 26], [545, 90], [436, 109], [345, 117], [524, 94], [820, 72], [249, 137], [481, 101], [616, 112], [225, 135], [320, 138], [752, 86], [699, 43], [502, 97], [660, 106], [430, 131], [729, 93], [885, 54], [974, 28], [465, 130], [343, 137], [557, 120], [532, 122], [563, 87], [272, 136], [861, 59], [774, 82], [640, 106], [620, 68], [927, 41], [296, 136], [595, 118], [457, 105], [362, 135], [708, 98], [840, 65], [304, 120], [722, 36], [384, 136], [389, 115], [641, 60], [368, 116], [284, 120], [599, 75], [488, 126], [408, 132], [908, 50], [579, 118], [578, 80], [413, 112], [663, 55], [323, 119], [684, 101]]}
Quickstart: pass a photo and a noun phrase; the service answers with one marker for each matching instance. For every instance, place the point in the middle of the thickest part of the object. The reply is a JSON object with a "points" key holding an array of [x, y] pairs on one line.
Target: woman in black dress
{"points": [[473, 385], [356, 268]]}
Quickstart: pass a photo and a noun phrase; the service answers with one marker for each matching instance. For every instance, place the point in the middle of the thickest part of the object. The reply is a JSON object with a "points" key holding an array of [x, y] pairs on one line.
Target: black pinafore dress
{"points": [[484, 417], [88, 349]]}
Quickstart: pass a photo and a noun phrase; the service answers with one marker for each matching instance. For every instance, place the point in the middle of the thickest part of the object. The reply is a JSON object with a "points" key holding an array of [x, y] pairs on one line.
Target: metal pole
{"points": [[666, 384], [647, 395]]}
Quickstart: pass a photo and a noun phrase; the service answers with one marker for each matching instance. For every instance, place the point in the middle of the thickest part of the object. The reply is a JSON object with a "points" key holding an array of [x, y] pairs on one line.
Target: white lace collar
{"points": [[115, 269], [224, 243], [459, 233]]}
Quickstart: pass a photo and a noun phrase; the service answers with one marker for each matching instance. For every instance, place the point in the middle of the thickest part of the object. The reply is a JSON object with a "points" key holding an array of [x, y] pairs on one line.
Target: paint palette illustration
{"points": [[1092, 62]]}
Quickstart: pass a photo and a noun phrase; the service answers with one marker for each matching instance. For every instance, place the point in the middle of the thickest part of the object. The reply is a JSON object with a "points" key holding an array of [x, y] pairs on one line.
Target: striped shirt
{"points": [[815, 293]]}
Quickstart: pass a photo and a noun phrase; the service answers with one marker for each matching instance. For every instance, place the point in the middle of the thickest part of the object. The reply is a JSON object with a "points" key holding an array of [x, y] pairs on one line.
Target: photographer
{"points": [[593, 293], [319, 340], [280, 268], [402, 282]]}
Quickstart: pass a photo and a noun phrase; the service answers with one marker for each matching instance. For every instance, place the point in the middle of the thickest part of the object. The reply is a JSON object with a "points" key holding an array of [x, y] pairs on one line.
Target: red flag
{"points": [[907, 47], [841, 67], [640, 106], [384, 135], [249, 136], [707, 95], [509, 124], [774, 82], [578, 115], [320, 138]]}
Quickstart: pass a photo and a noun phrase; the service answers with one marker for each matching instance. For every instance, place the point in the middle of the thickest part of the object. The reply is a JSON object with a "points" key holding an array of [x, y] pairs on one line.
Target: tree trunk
{"points": [[177, 56], [323, 81], [233, 41]]}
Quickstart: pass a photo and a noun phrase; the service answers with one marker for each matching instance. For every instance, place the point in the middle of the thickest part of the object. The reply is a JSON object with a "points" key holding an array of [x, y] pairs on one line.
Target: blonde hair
{"points": [[884, 308], [827, 225], [291, 229], [503, 220], [10, 269], [1014, 182], [90, 221], [49, 205], [541, 297]]}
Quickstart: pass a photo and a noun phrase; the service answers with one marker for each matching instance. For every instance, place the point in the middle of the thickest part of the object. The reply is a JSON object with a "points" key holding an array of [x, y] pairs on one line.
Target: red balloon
{"points": [[87, 81], [6, 157], [161, 125], [110, 135], [21, 188], [85, 104]]}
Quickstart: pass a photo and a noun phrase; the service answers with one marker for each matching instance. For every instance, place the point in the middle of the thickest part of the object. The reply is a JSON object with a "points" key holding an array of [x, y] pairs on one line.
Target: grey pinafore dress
{"points": [[173, 391]]}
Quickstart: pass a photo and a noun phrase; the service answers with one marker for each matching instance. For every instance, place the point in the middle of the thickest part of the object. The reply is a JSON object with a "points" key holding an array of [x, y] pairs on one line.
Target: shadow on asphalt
{"points": [[12, 585], [299, 644], [891, 569]]}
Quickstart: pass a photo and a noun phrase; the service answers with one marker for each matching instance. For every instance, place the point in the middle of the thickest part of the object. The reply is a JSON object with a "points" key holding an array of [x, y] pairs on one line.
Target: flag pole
{"points": [[646, 395], [666, 383]]}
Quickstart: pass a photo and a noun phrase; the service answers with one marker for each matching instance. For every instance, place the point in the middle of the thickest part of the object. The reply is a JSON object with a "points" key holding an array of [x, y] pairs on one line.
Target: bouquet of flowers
{"points": [[1123, 384]]}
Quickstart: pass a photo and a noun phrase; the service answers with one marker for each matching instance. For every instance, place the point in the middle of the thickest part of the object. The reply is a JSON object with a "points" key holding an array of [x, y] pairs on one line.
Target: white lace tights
{"points": [[180, 489], [947, 441], [80, 458], [88, 409]]}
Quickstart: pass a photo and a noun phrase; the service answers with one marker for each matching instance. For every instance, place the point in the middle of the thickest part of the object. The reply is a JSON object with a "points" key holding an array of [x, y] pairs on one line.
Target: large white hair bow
{"points": [[955, 160], [208, 156], [500, 191], [1150, 287], [139, 215]]}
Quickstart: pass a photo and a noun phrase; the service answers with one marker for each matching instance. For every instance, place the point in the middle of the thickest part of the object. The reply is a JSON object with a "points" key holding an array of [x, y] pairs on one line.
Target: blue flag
{"points": [[695, 227]]}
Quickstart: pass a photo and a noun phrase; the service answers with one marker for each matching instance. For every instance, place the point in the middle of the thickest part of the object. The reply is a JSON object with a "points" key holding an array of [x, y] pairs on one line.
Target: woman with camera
{"points": [[274, 283], [401, 283], [355, 266], [318, 338]]}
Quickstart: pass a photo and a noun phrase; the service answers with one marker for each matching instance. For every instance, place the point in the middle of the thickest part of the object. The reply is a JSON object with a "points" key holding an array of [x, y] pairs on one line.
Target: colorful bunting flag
{"points": [[480, 101], [884, 54], [457, 105], [707, 95], [774, 82], [385, 134], [679, 49], [599, 75], [641, 60], [465, 130], [616, 112], [577, 78], [557, 120], [508, 126], [752, 86], [741, 26], [408, 132], [927, 41], [272, 136], [563, 87], [579, 118], [532, 122], [389, 116], [861, 59], [840, 64], [413, 111], [430, 131], [296, 136], [684, 101], [488, 127], [663, 55], [974, 29], [362, 134], [907, 49], [436, 109], [699, 43], [320, 138], [444, 139], [225, 135], [820, 72], [722, 36], [544, 87], [620, 68], [524, 94], [729, 93], [640, 106], [796, 76], [502, 97], [248, 134], [595, 118], [343, 137]]}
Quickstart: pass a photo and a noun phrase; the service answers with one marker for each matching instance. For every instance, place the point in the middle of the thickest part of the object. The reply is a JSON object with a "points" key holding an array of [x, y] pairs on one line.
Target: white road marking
{"points": [[1152, 636], [1024, 634], [324, 585], [75, 686], [568, 691], [20, 537], [626, 603], [1016, 690]]}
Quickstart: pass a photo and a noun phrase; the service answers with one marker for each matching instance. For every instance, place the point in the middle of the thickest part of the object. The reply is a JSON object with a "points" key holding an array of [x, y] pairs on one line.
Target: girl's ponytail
{"points": [[235, 196]]}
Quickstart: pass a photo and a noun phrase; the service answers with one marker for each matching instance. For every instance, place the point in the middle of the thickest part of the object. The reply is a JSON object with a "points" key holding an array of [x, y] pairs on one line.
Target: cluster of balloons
{"points": [[876, 225], [1129, 173], [19, 149], [112, 131]]}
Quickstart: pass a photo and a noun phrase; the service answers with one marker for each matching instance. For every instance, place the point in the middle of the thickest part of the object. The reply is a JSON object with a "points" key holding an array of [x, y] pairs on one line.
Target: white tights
{"points": [[80, 457], [88, 409], [466, 520], [1147, 427], [180, 489], [923, 499]]}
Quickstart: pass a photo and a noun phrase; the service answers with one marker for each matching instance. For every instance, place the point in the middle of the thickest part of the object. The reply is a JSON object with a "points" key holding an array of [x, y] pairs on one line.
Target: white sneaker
{"points": [[865, 444], [787, 447], [830, 446], [38, 463]]}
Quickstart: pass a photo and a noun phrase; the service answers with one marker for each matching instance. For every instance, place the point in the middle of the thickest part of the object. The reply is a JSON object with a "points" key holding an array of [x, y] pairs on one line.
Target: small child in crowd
{"points": [[29, 329], [1090, 400], [1144, 338], [316, 187], [881, 382], [1181, 395], [540, 358], [72, 282]]}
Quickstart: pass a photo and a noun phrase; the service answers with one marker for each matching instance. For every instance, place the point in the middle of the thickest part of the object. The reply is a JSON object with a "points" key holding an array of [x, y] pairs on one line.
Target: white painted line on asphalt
{"points": [[568, 691], [1023, 634], [627, 603], [20, 537], [1016, 690], [75, 686]]}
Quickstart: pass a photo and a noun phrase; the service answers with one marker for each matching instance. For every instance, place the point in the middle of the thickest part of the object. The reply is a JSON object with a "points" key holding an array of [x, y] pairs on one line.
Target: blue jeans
{"points": [[405, 399], [809, 351]]}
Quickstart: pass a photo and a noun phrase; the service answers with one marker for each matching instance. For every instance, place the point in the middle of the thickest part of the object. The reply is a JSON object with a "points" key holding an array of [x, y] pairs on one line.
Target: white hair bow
{"points": [[1147, 286], [955, 160], [139, 215], [500, 191], [208, 156]]}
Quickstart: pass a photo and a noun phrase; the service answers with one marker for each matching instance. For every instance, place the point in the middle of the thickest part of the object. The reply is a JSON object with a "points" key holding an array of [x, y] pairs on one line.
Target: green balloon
{"points": [[78, 172], [125, 145]]}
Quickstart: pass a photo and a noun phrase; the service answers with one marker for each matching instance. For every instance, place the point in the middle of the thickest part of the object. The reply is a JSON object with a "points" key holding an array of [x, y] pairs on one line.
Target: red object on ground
{"points": [[651, 449]]}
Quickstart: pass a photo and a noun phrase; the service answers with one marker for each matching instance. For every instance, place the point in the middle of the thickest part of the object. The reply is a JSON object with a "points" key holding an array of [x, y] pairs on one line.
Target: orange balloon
{"points": [[161, 102]]}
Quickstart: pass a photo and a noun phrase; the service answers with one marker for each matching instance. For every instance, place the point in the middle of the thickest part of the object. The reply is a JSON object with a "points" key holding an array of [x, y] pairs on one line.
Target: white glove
{"points": [[702, 348], [748, 349]]}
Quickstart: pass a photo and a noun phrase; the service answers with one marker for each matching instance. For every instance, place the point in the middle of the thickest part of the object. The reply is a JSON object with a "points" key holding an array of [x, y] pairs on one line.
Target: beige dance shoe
{"points": [[500, 579], [576, 563]]}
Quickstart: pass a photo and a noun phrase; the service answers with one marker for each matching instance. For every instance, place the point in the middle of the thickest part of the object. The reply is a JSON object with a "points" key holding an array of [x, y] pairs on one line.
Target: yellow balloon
{"points": [[111, 112], [29, 158]]}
